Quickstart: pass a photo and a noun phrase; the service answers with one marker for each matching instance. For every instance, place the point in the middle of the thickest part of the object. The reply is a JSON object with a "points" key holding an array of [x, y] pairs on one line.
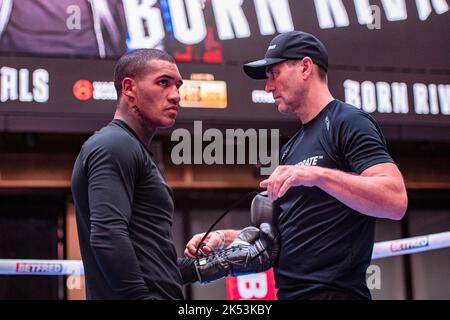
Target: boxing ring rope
{"points": [[398, 247], [383, 249]]}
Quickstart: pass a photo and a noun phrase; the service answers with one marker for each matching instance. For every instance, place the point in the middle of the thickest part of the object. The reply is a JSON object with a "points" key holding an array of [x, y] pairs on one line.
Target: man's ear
{"points": [[307, 66], [129, 89]]}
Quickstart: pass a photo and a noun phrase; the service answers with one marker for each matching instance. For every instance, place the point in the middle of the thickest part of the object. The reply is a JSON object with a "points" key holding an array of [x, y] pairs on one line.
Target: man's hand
{"points": [[285, 177], [214, 241]]}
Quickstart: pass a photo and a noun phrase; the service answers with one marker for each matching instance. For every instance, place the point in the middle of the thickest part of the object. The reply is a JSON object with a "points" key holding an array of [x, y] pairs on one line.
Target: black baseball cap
{"points": [[287, 46]]}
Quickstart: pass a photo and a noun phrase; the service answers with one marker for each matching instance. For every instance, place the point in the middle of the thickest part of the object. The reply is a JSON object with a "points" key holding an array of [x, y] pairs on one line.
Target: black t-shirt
{"points": [[124, 217], [327, 246]]}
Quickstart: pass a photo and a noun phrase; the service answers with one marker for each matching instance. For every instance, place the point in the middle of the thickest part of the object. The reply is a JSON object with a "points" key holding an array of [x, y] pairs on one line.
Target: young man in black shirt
{"points": [[334, 179], [124, 208]]}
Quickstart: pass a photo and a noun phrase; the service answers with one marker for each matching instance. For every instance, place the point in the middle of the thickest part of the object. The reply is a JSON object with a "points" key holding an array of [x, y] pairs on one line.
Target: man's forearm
{"points": [[380, 196], [116, 257]]}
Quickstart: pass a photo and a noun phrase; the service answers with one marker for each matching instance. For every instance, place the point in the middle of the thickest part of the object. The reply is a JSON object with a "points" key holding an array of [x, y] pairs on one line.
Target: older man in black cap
{"points": [[335, 177]]}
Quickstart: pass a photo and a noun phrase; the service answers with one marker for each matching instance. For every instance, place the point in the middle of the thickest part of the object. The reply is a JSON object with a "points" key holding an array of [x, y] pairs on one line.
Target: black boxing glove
{"points": [[263, 210], [254, 250]]}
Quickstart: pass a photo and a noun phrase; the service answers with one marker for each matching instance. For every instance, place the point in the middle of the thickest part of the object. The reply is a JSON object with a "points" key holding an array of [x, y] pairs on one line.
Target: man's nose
{"points": [[174, 96], [269, 86]]}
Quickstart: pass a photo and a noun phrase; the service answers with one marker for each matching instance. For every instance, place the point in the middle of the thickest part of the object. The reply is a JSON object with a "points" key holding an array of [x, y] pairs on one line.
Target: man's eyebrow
{"points": [[169, 77], [166, 76]]}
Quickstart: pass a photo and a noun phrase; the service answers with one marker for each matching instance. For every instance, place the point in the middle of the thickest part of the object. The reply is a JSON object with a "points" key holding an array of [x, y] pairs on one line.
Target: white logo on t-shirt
{"points": [[311, 161]]}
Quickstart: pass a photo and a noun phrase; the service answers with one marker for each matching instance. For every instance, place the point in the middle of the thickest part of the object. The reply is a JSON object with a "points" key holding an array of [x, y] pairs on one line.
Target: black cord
{"points": [[233, 206]]}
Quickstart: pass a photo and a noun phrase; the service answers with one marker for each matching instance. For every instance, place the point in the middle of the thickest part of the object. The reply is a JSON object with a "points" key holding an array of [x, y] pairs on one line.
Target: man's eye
{"points": [[163, 82]]}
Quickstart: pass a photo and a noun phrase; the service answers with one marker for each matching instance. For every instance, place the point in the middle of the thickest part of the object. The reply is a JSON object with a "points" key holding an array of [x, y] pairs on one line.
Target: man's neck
{"points": [[143, 132], [315, 101]]}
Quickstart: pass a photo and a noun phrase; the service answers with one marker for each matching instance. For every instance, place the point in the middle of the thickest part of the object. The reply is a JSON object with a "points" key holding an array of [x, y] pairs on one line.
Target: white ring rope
{"points": [[41, 267], [75, 267], [411, 245]]}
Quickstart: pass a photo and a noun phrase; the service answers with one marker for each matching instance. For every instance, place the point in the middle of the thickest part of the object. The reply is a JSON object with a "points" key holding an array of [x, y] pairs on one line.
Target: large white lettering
{"points": [[281, 13], [41, 78], [15, 85], [332, 13], [229, 16], [363, 11], [379, 97], [400, 97], [424, 8], [395, 10], [8, 88], [444, 98], [146, 26], [190, 28], [24, 90], [426, 98], [329, 9], [352, 93], [144, 22], [384, 97], [370, 94]]}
